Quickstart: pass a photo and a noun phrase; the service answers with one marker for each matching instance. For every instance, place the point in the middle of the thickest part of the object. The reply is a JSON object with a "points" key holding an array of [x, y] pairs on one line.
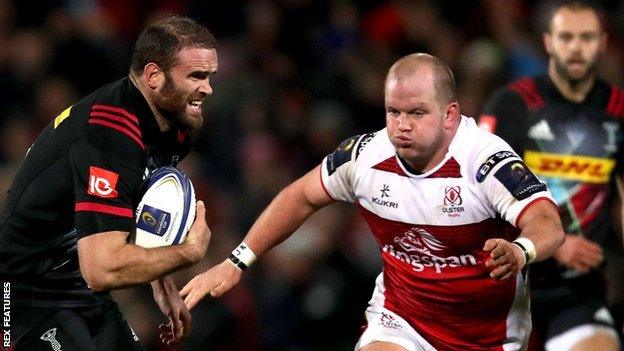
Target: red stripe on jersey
{"points": [[615, 92], [619, 106], [116, 110], [102, 208], [534, 201], [528, 92], [390, 165], [532, 88], [127, 123], [119, 128], [323, 184], [450, 169]]}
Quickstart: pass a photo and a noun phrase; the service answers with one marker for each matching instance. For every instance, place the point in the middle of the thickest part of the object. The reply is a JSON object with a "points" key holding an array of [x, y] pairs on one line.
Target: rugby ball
{"points": [[166, 210]]}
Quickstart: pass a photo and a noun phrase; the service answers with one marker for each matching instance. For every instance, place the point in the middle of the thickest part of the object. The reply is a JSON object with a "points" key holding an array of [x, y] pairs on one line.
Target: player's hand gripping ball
{"points": [[167, 209]]}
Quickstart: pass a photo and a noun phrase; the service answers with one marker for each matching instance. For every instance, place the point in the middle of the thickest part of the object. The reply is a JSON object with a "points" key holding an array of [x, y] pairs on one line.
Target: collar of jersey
{"points": [[147, 121]]}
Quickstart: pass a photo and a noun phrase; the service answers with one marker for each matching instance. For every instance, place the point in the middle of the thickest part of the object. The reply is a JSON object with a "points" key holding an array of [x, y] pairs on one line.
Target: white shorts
{"points": [[387, 326]]}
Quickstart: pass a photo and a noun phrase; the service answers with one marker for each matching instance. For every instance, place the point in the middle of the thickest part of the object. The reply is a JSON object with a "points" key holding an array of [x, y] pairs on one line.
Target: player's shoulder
{"points": [[358, 148], [111, 123], [477, 146], [610, 97]]}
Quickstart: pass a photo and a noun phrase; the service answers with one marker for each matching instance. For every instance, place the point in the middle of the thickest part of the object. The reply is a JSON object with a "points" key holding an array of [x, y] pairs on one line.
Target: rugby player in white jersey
{"points": [[456, 214]]}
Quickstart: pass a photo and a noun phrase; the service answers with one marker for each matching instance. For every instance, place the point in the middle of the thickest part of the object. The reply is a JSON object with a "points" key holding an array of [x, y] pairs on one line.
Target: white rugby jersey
{"points": [[431, 229]]}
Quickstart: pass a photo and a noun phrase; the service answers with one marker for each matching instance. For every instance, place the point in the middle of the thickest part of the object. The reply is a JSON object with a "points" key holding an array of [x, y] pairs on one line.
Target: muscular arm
{"points": [[541, 224], [287, 212], [108, 261]]}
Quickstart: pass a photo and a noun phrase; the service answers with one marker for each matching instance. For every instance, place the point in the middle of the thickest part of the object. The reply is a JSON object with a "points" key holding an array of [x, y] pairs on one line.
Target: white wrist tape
{"points": [[528, 247], [243, 256]]}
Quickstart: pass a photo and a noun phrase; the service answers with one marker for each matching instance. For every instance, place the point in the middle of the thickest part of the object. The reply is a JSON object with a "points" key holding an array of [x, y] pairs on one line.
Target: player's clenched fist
{"points": [[506, 259], [216, 281]]}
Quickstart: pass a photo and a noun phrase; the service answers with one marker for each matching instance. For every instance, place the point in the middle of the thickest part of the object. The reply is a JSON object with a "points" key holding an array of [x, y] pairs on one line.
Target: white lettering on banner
{"points": [[421, 261], [6, 313]]}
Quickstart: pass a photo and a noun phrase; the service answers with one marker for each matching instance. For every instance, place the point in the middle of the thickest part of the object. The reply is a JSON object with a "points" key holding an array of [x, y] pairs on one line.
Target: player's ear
{"points": [[547, 39], [452, 114], [154, 76]]}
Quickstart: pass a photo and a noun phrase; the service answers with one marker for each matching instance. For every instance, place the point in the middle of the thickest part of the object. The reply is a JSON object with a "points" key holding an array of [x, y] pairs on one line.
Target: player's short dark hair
{"points": [[573, 5], [162, 40]]}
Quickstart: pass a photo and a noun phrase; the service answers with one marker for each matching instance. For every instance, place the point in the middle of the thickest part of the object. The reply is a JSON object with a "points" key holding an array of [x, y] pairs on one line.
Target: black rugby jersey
{"points": [[576, 148], [81, 176]]}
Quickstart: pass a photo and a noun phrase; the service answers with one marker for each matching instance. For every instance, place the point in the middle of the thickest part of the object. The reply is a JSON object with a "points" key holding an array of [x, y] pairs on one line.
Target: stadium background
{"points": [[295, 78]]}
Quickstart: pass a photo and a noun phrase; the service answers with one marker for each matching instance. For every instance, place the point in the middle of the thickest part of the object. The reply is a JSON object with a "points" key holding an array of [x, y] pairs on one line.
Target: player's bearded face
{"points": [[187, 84], [575, 42], [575, 67], [174, 103]]}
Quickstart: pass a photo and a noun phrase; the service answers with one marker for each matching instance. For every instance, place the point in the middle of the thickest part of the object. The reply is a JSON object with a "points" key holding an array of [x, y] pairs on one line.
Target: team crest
{"points": [[452, 203]]}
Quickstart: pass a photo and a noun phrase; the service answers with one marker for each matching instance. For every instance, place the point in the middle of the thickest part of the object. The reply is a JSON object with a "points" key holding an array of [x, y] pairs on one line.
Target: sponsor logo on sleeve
{"points": [[341, 155], [365, 140], [102, 183], [491, 162], [519, 180]]}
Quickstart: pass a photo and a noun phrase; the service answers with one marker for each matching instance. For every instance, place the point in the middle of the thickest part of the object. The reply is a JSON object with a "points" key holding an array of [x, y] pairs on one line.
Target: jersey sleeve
{"points": [[108, 169], [502, 114], [337, 170], [507, 183]]}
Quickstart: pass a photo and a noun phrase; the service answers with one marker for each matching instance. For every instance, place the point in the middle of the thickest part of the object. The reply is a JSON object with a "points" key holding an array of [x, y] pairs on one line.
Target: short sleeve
{"points": [[107, 169], [507, 183], [337, 170]]}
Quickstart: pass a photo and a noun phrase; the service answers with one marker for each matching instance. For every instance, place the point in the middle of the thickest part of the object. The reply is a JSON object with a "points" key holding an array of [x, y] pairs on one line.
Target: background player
{"points": [[63, 235], [567, 126], [438, 194]]}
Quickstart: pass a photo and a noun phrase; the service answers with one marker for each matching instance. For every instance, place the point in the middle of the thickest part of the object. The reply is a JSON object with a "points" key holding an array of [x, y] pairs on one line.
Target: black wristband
{"points": [[238, 263], [527, 256]]}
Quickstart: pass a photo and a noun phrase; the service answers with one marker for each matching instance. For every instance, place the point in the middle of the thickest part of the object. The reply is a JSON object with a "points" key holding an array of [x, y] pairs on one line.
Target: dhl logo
{"points": [[570, 167]]}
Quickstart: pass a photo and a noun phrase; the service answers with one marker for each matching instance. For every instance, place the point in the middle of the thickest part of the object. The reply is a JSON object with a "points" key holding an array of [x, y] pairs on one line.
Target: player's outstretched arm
{"points": [[541, 226], [290, 208], [108, 261]]}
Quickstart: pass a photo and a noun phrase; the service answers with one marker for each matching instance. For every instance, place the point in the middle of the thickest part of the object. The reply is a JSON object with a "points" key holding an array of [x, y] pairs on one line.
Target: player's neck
{"points": [[576, 92], [163, 123]]}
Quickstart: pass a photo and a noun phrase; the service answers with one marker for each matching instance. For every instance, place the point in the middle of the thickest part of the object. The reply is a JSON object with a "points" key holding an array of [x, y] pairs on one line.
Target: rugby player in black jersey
{"points": [[567, 126], [63, 234]]}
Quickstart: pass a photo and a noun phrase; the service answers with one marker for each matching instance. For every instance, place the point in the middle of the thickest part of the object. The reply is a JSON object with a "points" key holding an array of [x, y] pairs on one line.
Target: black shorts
{"points": [[100, 328], [555, 316]]}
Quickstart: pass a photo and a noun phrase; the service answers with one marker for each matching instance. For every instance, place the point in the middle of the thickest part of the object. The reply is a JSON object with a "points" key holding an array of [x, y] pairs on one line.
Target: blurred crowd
{"points": [[295, 78]]}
